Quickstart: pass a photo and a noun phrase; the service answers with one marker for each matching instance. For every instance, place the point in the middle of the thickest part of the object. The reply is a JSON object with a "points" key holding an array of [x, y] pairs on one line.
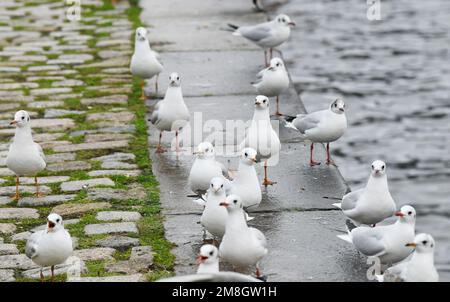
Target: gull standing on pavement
{"points": [[373, 203], [267, 35], [214, 216], [419, 268], [387, 242], [241, 246], [246, 183], [323, 126], [261, 136], [204, 168], [25, 157], [273, 80], [171, 113], [208, 270], [144, 62], [51, 246]]}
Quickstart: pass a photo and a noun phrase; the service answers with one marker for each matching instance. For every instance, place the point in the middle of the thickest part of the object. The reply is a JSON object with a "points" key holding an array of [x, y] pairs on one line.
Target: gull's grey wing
{"points": [[216, 277], [31, 248], [260, 236], [305, 122], [256, 32], [41, 152], [350, 200], [393, 274], [154, 117], [368, 241]]}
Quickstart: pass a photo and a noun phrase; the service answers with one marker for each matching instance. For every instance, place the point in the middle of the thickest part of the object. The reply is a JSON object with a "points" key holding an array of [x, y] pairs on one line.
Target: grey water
{"points": [[394, 76]]}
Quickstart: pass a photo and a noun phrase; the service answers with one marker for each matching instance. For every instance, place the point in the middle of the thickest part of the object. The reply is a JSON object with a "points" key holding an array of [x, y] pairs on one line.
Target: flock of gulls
{"points": [[225, 195]]}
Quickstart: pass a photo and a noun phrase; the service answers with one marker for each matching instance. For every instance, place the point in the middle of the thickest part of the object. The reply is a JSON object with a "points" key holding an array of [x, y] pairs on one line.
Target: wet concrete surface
{"points": [[296, 214]]}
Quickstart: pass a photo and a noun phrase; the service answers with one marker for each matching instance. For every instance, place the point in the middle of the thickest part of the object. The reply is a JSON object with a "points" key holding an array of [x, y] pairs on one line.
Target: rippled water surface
{"points": [[394, 76]]}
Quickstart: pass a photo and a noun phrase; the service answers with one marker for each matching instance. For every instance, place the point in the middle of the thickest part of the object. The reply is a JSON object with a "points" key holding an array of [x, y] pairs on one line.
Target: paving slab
{"points": [[212, 73]]}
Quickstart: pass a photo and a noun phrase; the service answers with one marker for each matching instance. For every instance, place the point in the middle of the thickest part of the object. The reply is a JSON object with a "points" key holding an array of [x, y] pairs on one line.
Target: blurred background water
{"points": [[394, 75]]}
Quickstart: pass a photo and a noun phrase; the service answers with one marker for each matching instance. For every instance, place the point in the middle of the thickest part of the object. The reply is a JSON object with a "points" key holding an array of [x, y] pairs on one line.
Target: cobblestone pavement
{"points": [[73, 79]]}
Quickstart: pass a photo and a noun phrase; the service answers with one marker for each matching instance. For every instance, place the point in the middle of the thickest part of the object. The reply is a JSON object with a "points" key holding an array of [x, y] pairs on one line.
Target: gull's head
{"points": [[141, 34], [217, 184], [21, 118], [54, 222], [338, 106], [284, 20], [248, 156], [232, 203], [174, 79], [406, 214], [205, 149], [276, 63], [423, 243], [378, 168], [261, 102], [209, 254]]}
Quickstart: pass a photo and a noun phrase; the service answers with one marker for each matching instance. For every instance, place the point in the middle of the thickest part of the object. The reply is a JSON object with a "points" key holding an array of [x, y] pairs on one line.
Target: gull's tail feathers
{"points": [[231, 27], [380, 278], [290, 125], [337, 205]]}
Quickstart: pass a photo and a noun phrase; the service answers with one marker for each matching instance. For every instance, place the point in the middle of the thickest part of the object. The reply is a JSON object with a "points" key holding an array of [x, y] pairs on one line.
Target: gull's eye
{"points": [[211, 253], [221, 186], [245, 154], [23, 118], [178, 78], [373, 167], [235, 201], [212, 185], [424, 242], [382, 167], [264, 101], [409, 213], [57, 220], [206, 150]]}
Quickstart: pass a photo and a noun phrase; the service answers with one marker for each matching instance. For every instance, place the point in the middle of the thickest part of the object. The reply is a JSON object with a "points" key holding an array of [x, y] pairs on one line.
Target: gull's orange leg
{"points": [[266, 181]]}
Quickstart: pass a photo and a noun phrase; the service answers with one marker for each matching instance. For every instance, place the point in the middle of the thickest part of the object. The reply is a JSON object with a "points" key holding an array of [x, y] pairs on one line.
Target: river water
{"points": [[394, 76]]}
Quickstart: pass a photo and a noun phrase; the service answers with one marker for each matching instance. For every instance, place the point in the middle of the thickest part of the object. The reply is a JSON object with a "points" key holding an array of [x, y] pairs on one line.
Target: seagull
{"points": [[267, 35], [171, 113], [387, 242], [51, 246], [208, 270], [25, 157], [214, 216], [144, 62], [208, 259], [373, 203], [323, 126], [419, 268], [241, 246], [273, 80], [205, 167], [261, 136], [246, 183]]}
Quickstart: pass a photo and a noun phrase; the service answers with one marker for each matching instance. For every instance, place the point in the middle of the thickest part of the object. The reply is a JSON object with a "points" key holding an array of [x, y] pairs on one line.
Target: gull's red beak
{"points": [[224, 204], [254, 159], [50, 225], [399, 214], [13, 123], [412, 244], [201, 259], [292, 23]]}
